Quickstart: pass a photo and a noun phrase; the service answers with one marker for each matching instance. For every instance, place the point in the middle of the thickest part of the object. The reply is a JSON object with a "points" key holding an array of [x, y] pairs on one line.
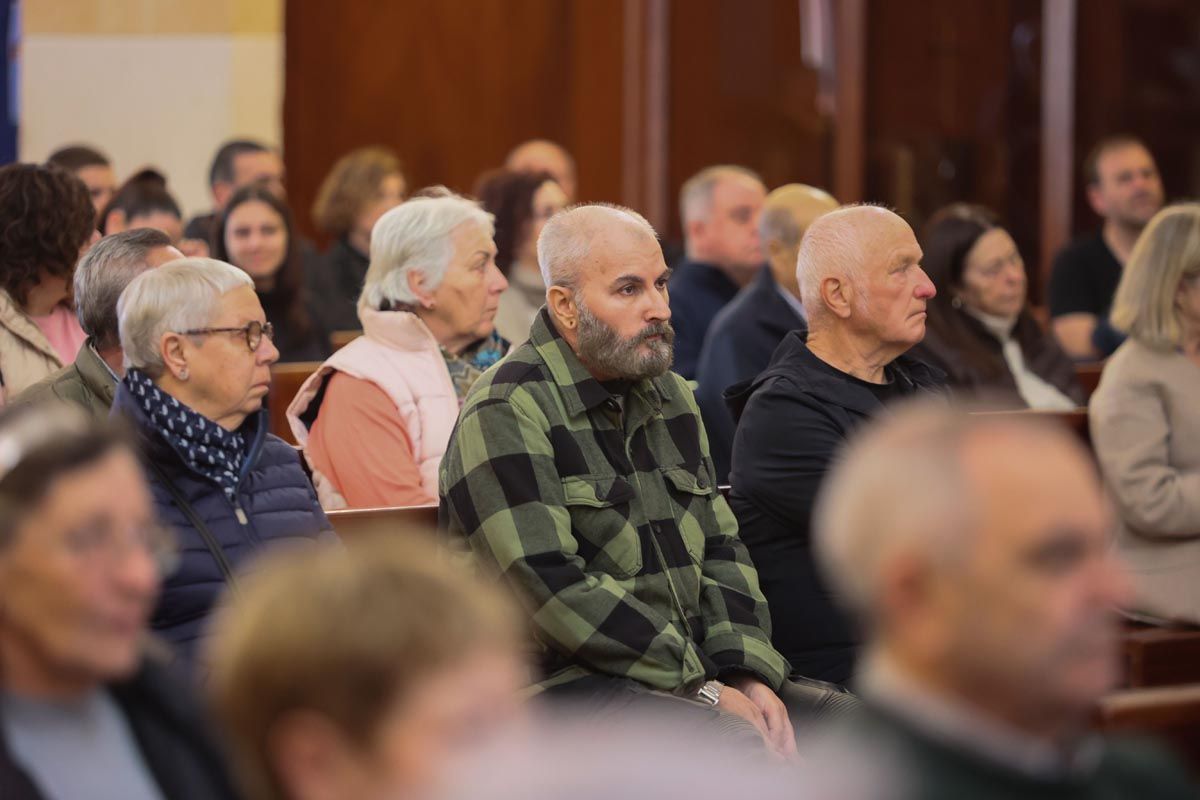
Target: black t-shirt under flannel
{"points": [[1085, 278]]}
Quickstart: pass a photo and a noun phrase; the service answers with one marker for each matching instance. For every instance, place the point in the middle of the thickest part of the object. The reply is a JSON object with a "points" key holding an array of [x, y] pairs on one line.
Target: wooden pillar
{"points": [[644, 140], [850, 79], [1058, 130]]}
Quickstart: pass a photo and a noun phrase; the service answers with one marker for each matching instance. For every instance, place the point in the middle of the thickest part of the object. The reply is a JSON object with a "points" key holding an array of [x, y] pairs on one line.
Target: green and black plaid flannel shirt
{"points": [[608, 522]]}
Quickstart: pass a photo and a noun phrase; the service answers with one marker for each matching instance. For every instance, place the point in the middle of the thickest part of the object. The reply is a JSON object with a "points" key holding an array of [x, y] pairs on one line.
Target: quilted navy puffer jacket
{"points": [[275, 502]]}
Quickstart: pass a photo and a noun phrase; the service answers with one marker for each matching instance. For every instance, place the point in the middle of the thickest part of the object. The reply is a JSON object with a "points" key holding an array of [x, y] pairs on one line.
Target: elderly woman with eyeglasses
{"points": [[87, 709], [198, 353]]}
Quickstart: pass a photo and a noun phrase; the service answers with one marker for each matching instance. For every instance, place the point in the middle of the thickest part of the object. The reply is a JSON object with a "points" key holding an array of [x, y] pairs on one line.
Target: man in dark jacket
{"points": [[100, 278], [977, 550], [860, 273], [720, 207], [742, 338]]}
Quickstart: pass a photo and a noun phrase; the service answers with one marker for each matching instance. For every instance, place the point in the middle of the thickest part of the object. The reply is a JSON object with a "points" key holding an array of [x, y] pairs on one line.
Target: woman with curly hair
{"points": [[360, 188], [46, 223], [255, 233]]}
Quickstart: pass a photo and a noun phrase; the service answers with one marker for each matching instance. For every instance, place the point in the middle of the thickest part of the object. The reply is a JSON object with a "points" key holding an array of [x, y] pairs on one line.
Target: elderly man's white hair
{"points": [[179, 296], [565, 244], [838, 245], [695, 196], [416, 236], [902, 487]]}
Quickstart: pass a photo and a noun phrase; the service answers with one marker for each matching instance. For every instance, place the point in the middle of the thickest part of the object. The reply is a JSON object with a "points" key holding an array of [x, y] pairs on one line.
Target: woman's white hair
{"points": [[179, 296], [416, 236]]}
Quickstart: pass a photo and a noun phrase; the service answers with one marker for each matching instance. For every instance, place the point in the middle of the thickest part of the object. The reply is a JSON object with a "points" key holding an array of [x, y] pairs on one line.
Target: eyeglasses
{"points": [[99, 542], [253, 331]]}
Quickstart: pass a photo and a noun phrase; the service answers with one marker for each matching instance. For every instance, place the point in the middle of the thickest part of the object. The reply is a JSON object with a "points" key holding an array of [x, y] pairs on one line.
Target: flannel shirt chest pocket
{"points": [[692, 505], [600, 508]]}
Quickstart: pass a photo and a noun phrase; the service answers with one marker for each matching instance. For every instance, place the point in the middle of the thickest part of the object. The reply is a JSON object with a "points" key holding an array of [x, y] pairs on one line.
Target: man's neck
{"points": [[1048, 726], [360, 241], [1120, 239], [738, 274], [22, 675], [864, 360], [114, 357]]}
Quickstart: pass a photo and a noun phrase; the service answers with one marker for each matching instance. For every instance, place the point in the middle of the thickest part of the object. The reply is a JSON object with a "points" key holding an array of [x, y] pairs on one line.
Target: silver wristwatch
{"points": [[710, 692]]}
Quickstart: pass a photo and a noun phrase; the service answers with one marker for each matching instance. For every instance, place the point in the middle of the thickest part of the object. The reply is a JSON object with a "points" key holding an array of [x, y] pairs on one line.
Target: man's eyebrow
{"points": [[627, 278]]}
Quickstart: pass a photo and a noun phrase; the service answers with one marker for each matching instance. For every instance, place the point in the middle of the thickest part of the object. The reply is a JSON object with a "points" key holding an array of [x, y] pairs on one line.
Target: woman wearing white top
{"points": [[979, 329]]}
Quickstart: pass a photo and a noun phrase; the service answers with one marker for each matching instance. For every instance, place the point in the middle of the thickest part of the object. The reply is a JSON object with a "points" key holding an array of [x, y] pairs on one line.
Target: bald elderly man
{"points": [[579, 469], [720, 207], [542, 155], [859, 270], [744, 335], [977, 550]]}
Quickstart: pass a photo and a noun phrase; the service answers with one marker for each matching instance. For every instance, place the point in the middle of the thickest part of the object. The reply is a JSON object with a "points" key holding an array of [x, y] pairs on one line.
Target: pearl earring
{"points": [[183, 374]]}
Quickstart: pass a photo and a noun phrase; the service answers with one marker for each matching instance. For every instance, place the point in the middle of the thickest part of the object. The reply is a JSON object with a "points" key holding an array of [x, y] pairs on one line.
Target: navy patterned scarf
{"points": [[205, 446]]}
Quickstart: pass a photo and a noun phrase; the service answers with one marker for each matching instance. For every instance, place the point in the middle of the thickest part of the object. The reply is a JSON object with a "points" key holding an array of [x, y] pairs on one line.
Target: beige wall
{"points": [[151, 82]]}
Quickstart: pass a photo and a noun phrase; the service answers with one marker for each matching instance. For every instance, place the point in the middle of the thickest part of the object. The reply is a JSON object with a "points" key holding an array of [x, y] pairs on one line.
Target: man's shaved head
{"points": [[842, 244], [543, 155], [790, 210], [572, 238]]}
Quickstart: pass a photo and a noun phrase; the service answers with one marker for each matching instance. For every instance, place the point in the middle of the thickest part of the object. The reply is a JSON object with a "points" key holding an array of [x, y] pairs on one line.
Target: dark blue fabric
{"points": [[273, 492], [9, 30], [698, 292], [738, 346], [792, 421], [205, 446]]}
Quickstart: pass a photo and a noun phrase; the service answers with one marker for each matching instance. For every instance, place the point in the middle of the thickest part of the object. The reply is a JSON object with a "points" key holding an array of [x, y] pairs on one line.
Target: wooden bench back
{"points": [[286, 380]]}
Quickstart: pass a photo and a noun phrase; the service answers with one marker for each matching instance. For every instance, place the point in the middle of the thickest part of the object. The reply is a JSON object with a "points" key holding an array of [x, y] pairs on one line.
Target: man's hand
{"points": [[778, 735], [734, 702]]}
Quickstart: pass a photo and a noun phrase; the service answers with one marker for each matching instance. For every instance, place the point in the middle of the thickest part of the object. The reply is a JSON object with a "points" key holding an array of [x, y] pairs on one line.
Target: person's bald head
{"points": [[787, 214], [859, 272], [543, 155], [976, 548], [607, 290]]}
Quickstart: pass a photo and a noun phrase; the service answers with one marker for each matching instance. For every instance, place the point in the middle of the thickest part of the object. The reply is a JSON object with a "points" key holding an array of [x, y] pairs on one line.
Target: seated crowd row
{"points": [[581, 469]]}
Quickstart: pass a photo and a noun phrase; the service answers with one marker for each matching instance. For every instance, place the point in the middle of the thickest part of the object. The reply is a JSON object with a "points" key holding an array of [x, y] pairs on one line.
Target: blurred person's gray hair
{"points": [[104, 272], [696, 194]]}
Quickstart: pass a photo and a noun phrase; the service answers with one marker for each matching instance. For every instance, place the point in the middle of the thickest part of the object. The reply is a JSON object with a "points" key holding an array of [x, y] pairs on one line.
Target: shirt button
{"points": [[702, 482]]}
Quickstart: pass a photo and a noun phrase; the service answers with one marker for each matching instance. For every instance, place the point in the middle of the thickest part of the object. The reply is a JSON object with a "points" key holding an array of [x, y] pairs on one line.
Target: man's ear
{"points": [[171, 348], [561, 302], [1096, 200], [221, 192], [838, 296]]}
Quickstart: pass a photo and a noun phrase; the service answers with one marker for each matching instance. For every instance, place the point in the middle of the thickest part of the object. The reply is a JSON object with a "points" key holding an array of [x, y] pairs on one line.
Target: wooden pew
{"points": [[286, 380], [356, 522], [1088, 376], [339, 339], [1156, 656], [1170, 714]]}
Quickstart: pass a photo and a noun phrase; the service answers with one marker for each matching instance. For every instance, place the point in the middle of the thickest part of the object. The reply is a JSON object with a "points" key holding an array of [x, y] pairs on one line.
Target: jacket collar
{"points": [[580, 390], [157, 450], [23, 327], [95, 374], [402, 330], [774, 312]]}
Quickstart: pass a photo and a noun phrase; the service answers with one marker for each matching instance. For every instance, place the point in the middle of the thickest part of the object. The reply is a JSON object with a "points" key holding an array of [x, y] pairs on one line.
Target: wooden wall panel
{"points": [[739, 92], [451, 86]]}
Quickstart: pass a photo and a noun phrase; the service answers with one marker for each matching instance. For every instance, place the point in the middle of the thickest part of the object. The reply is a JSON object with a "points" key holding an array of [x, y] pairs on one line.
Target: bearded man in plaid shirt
{"points": [[579, 470]]}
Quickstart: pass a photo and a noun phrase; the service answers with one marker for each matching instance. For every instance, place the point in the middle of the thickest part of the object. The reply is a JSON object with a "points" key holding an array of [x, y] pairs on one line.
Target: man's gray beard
{"points": [[603, 350]]}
